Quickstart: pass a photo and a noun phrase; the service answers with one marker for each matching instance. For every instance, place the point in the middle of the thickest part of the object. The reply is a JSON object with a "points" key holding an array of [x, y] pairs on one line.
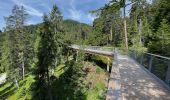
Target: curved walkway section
{"points": [[129, 81], [93, 50]]}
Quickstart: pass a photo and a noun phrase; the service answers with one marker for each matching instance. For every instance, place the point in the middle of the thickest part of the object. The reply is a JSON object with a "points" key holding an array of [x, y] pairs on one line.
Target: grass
{"points": [[98, 87], [8, 91], [59, 70], [23, 89], [96, 90], [103, 59]]}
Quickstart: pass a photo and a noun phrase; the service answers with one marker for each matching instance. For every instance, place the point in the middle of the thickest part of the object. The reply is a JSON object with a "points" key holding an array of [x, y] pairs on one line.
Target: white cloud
{"points": [[75, 14], [33, 11], [29, 9], [91, 17], [30, 22], [79, 15]]}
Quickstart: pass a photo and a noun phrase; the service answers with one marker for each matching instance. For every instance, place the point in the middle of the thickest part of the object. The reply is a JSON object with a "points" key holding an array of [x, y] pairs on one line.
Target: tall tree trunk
{"points": [[49, 86], [111, 34], [16, 82], [125, 27], [23, 70], [23, 65]]}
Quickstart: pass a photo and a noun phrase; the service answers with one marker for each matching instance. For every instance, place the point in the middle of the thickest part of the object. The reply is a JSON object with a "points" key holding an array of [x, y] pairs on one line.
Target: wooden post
{"points": [[108, 64], [167, 80], [150, 63]]}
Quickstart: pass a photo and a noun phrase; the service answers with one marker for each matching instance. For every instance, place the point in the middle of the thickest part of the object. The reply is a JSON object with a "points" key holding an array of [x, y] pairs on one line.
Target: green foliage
{"points": [[25, 92], [97, 92], [43, 47], [7, 89], [109, 24], [49, 51], [5, 56], [161, 11], [71, 84], [15, 49], [10, 92], [76, 33], [161, 41], [103, 59]]}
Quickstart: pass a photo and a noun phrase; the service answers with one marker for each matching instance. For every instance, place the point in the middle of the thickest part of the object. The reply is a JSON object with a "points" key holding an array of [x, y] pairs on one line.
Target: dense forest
{"points": [[39, 65]]}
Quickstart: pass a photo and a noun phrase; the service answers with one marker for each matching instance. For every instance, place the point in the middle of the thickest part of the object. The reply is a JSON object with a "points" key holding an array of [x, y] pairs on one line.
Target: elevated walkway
{"points": [[128, 79]]}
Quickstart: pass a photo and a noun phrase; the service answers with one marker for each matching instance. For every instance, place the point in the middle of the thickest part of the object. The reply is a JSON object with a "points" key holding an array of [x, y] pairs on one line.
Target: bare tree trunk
{"points": [[23, 65], [111, 34], [16, 82], [23, 70], [126, 36]]}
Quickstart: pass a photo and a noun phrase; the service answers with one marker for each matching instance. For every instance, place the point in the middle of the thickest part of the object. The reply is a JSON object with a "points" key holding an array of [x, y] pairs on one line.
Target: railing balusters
{"points": [[150, 63], [154, 67], [135, 55], [141, 60], [168, 74]]}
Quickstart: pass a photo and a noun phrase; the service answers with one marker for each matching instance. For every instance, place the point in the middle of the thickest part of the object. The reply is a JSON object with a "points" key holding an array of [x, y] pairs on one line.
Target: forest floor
{"points": [[98, 79], [95, 77]]}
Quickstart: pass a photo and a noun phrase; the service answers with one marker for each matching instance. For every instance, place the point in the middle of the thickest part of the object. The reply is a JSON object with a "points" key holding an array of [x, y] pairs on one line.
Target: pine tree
{"points": [[161, 42], [49, 51], [5, 60], [56, 21], [14, 44]]}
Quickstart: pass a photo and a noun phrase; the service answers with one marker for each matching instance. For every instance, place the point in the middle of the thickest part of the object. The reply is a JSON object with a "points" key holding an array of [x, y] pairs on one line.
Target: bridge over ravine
{"points": [[129, 80]]}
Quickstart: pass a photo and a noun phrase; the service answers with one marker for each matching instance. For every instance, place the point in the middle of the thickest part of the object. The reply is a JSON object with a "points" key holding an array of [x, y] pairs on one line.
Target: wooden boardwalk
{"points": [[130, 81]]}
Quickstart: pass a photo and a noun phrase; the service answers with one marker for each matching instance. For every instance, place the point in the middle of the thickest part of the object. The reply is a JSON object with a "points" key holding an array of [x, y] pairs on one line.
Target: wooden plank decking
{"points": [[134, 83]]}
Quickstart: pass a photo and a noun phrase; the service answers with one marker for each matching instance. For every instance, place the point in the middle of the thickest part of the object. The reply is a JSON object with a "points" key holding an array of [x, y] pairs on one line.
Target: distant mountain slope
{"points": [[76, 31]]}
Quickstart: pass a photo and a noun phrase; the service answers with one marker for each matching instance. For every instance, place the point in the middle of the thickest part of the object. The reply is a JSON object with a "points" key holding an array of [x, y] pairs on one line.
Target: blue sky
{"points": [[71, 9]]}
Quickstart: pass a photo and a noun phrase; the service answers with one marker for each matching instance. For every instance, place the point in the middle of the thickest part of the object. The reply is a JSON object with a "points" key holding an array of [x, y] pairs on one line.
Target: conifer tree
{"points": [[49, 51], [161, 41], [13, 50]]}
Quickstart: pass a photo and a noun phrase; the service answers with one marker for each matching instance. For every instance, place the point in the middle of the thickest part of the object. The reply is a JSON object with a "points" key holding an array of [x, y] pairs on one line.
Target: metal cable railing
{"points": [[156, 64]]}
